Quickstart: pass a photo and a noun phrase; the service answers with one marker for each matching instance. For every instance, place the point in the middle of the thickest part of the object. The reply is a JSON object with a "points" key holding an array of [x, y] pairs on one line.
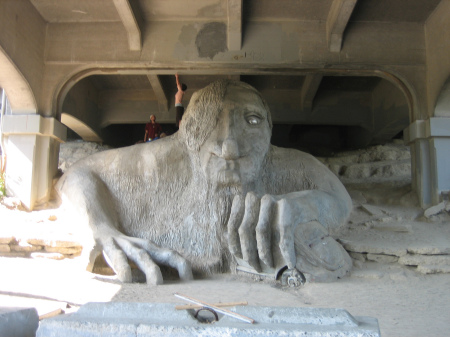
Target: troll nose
{"points": [[230, 149]]}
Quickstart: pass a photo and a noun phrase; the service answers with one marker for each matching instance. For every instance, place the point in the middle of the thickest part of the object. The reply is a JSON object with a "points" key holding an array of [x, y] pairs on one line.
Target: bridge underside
{"points": [[336, 74]]}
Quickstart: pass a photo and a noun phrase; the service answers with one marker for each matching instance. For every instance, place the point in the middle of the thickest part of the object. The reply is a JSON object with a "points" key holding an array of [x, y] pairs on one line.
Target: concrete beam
{"points": [[309, 90], [19, 93], [80, 128], [234, 29], [129, 21], [337, 20], [160, 94]]}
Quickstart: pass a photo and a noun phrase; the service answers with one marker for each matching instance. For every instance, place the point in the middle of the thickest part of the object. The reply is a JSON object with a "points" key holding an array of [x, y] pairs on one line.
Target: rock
{"points": [[357, 264], [12, 203], [6, 240], [361, 247], [55, 241], [433, 210], [429, 250], [25, 247], [358, 256], [372, 210], [433, 269], [52, 256], [381, 258], [5, 248], [64, 250], [415, 260], [14, 254]]}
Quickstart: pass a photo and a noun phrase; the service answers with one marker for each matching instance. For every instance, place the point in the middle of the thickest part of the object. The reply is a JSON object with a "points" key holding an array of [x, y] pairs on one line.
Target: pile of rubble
{"points": [[387, 225], [37, 234]]}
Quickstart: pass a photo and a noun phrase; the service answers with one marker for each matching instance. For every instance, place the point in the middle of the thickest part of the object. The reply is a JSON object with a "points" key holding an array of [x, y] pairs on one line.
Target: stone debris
{"points": [[416, 260], [72, 151], [372, 165], [25, 247], [49, 245], [372, 210], [429, 250], [6, 240], [381, 258], [12, 203], [358, 256], [64, 250], [53, 240], [434, 210], [433, 269], [51, 256], [5, 248], [369, 248]]}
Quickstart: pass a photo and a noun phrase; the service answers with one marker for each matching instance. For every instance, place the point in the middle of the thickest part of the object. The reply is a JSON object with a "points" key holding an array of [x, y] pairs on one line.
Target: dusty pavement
{"points": [[401, 260], [405, 302]]}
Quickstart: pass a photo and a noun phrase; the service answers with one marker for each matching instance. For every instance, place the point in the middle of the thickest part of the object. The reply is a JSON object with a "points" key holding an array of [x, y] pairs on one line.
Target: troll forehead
{"points": [[204, 109]]}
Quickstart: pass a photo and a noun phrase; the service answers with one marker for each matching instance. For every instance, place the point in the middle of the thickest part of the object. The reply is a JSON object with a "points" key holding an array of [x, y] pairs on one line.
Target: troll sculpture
{"points": [[213, 196]]}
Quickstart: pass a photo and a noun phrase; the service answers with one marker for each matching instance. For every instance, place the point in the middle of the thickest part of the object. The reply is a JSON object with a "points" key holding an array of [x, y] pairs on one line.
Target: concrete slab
{"points": [[158, 319], [18, 322]]}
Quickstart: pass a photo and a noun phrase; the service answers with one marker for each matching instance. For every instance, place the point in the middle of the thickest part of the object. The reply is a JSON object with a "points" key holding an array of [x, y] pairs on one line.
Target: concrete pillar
{"points": [[32, 149], [430, 154]]}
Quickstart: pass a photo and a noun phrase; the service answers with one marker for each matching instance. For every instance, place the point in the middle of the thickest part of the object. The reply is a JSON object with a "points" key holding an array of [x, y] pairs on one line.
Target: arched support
{"points": [[19, 93], [31, 142], [82, 129]]}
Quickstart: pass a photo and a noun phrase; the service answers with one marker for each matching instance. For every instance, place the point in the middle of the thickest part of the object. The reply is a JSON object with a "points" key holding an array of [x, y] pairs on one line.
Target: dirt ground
{"points": [[385, 230], [405, 302]]}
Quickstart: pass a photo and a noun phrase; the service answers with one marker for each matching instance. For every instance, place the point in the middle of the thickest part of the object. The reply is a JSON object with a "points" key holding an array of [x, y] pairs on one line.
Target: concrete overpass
{"points": [[346, 72]]}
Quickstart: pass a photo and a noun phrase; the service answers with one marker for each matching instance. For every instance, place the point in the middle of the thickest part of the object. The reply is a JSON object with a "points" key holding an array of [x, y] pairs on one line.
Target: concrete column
{"points": [[430, 152], [32, 149]]}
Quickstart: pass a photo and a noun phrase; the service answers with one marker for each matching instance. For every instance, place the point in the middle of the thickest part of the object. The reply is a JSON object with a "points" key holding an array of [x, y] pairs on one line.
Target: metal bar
{"points": [[222, 311], [220, 305]]}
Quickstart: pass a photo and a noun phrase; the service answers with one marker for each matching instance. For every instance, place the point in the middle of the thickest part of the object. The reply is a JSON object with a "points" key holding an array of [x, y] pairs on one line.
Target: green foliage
{"points": [[2, 185]]}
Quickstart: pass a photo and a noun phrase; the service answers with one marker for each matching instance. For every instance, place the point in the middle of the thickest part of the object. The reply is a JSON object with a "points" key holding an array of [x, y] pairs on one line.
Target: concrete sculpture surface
{"points": [[214, 195]]}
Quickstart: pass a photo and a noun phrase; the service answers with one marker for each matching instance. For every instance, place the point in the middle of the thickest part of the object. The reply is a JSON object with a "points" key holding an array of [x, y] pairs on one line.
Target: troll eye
{"points": [[253, 120]]}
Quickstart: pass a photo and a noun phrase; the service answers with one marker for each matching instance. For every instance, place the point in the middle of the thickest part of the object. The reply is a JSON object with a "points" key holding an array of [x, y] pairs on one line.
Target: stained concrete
{"points": [[157, 319]]}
